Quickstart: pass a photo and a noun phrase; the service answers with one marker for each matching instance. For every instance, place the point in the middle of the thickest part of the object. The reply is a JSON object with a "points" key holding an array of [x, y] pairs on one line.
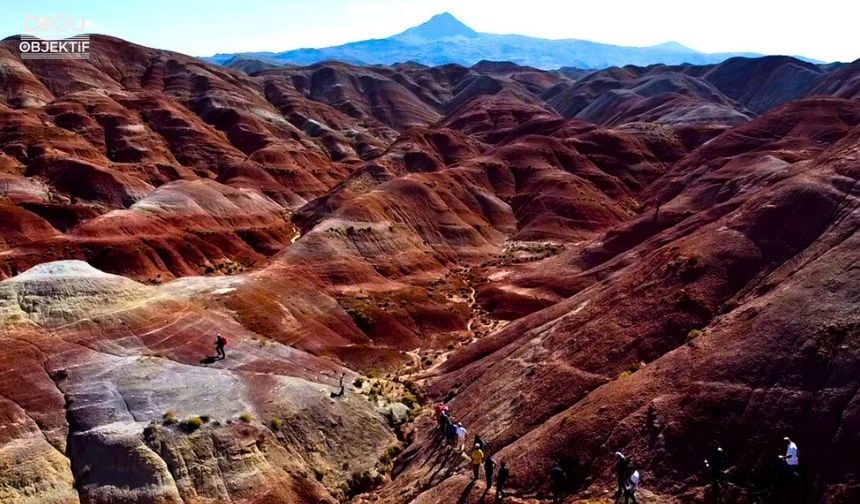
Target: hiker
{"points": [[621, 472], [477, 460], [440, 409], [461, 437], [451, 434], [440, 412], [631, 487], [220, 343], [489, 466], [557, 478], [790, 461], [501, 479], [444, 425], [714, 464], [335, 395], [480, 442]]}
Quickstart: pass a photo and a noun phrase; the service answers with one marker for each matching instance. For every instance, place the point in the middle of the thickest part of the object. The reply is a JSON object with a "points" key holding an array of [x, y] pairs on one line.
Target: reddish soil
{"points": [[634, 259]]}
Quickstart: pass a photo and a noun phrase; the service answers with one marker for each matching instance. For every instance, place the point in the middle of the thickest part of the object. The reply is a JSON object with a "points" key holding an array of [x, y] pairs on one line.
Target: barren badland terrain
{"points": [[634, 259]]}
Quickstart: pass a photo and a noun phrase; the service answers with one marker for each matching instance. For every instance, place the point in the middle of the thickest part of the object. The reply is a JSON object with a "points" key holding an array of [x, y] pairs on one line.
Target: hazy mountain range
{"points": [[444, 39]]}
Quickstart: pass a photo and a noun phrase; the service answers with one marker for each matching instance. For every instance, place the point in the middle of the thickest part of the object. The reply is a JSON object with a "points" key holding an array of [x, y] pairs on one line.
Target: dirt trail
{"points": [[476, 317]]}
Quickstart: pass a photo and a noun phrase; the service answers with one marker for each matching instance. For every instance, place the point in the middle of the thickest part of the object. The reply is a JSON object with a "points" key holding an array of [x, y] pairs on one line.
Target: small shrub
{"points": [[246, 417], [409, 400], [428, 361], [168, 418], [276, 424], [414, 389], [358, 383], [450, 394], [150, 431], [191, 424], [693, 334], [363, 482], [624, 374], [205, 418], [387, 458], [362, 320]]}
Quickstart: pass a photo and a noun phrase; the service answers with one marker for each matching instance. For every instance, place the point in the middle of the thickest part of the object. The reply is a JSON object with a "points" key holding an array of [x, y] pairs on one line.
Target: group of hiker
{"points": [[453, 434]]}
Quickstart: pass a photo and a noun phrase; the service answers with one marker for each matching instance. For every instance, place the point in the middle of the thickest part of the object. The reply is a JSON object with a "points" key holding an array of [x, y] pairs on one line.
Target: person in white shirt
{"points": [[790, 457], [790, 467], [632, 486], [461, 438]]}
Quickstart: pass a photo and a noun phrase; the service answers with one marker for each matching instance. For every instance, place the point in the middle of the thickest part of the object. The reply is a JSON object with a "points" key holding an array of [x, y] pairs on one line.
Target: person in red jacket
{"points": [[220, 343]]}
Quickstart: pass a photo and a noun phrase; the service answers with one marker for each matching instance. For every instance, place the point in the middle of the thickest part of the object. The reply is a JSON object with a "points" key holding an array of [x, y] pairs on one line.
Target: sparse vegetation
{"points": [[693, 334], [246, 417], [415, 390], [386, 460], [624, 374], [169, 417], [409, 400], [150, 431], [358, 382], [451, 394], [363, 481], [410, 416], [191, 424], [276, 424], [376, 388], [361, 318]]}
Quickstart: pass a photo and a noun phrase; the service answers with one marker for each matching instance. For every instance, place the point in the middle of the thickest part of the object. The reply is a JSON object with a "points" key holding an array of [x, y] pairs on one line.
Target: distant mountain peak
{"points": [[444, 39], [673, 46], [439, 27]]}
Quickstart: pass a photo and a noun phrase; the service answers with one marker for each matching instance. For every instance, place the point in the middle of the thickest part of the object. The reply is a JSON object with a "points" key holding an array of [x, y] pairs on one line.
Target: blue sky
{"points": [[823, 29]]}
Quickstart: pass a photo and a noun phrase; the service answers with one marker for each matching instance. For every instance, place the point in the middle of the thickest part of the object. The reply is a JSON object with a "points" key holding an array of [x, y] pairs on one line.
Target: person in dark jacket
{"points": [[451, 433], [444, 426], [501, 479], [489, 467], [557, 478], [714, 464], [220, 343], [621, 465]]}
